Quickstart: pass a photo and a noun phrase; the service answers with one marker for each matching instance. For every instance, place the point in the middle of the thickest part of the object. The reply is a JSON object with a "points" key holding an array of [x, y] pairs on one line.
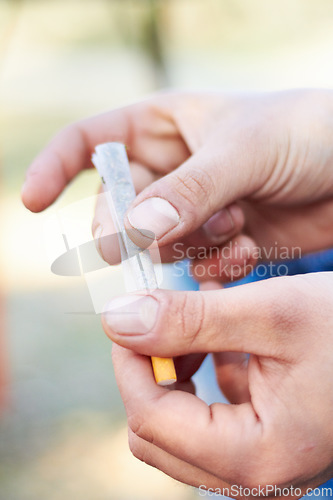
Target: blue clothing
{"points": [[322, 492], [312, 263]]}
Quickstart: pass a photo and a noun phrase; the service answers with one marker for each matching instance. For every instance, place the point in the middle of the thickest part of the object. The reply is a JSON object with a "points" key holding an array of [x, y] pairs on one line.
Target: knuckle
{"points": [[136, 446], [135, 423], [191, 312], [194, 186], [140, 449], [183, 320], [139, 426]]}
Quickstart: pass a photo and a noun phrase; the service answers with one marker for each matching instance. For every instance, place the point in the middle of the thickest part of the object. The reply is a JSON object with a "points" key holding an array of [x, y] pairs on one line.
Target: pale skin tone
{"points": [[268, 159]]}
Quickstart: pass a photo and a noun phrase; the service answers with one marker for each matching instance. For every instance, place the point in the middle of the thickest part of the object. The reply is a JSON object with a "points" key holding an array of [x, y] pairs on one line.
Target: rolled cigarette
{"points": [[111, 162]]}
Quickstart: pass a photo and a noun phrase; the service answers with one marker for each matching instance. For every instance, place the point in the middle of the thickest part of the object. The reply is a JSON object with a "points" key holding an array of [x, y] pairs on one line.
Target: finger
{"points": [[210, 285], [172, 466], [67, 154], [220, 228], [211, 179], [103, 229], [146, 128], [277, 228], [229, 262], [232, 376], [181, 424], [142, 176], [217, 231], [187, 366], [104, 232], [200, 244], [254, 318], [199, 478], [231, 367]]}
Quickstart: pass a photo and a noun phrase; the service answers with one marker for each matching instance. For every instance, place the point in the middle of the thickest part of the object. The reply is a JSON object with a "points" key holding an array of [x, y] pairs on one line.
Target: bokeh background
{"points": [[62, 425]]}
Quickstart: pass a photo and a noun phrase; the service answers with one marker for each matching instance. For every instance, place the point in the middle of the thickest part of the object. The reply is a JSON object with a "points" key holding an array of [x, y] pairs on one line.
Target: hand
{"points": [[271, 156], [271, 153], [281, 433], [260, 164]]}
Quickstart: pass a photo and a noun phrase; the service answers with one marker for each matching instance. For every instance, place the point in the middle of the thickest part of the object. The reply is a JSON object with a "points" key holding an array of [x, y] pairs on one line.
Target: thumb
{"points": [[214, 177], [261, 318]]}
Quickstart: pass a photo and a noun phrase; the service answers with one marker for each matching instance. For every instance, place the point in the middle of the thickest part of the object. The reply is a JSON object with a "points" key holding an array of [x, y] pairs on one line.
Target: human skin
{"points": [[242, 171]]}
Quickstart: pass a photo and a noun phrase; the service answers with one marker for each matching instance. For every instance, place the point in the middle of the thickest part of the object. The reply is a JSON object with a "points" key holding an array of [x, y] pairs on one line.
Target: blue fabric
{"points": [[321, 492], [312, 263]]}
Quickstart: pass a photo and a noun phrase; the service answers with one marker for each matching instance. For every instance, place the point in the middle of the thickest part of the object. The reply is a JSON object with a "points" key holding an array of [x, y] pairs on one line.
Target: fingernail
{"points": [[154, 214], [97, 237], [219, 224], [131, 314]]}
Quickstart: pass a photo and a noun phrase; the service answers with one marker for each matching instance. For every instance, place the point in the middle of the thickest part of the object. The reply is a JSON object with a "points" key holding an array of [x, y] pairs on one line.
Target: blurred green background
{"points": [[62, 426]]}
